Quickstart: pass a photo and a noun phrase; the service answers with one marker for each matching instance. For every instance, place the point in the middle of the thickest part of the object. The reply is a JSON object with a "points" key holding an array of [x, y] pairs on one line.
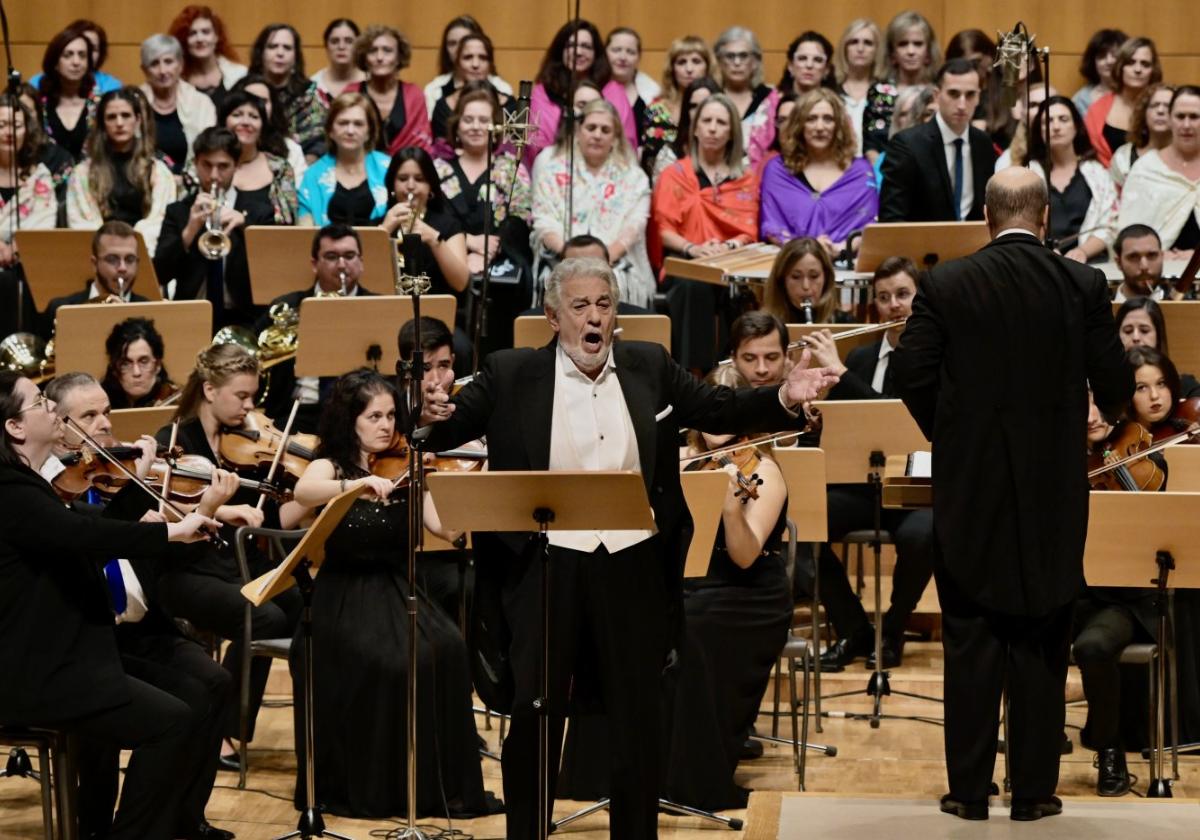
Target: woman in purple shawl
{"points": [[816, 187]]}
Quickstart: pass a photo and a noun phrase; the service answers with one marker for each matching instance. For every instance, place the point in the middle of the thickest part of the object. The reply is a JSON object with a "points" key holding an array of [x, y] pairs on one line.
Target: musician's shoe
{"points": [[845, 651], [1114, 775], [232, 763], [893, 653], [977, 810], [207, 831], [1026, 810], [752, 748]]}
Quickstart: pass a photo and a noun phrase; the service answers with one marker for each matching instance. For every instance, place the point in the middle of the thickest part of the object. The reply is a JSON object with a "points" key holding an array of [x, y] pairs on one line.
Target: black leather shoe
{"points": [[230, 763], [845, 651], [977, 810], [893, 652], [1114, 775], [752, 748], [207, 831], [1026, 810]]}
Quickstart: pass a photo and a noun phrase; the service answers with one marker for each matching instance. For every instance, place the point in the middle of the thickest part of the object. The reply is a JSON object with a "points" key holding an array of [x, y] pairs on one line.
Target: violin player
{"points": [[135, 376], [151, 646], [583, 402], [61, 659], [867, 375], [206, 590]]}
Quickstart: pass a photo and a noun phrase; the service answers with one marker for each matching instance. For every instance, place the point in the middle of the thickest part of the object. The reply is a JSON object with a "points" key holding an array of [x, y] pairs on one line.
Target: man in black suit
{"points": [[152, 649], [867, 375], [337, 266], [114, 269], [582, 402], [224, 282], [937, 171], [994, 366]]}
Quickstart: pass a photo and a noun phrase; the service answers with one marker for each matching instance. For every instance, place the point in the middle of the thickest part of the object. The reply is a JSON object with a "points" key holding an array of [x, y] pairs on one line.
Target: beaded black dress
{"points": [[360, 669]]}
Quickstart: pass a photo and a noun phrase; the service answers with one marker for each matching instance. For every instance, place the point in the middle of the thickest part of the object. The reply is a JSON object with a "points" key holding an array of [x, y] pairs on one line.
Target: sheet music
{"points": [[920, 465]]}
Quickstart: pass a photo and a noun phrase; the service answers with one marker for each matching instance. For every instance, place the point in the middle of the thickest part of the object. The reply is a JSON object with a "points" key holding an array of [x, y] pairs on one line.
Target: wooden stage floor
{"points": [[901, 759]]}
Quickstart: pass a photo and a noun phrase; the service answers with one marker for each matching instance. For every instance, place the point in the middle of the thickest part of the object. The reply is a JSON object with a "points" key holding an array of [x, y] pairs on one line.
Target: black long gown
{"points": [[736, 623], [360, 668]]}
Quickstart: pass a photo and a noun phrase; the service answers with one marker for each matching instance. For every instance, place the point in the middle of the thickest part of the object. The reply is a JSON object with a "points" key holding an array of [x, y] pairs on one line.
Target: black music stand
{"points": [[553, 500], [295, 569]]}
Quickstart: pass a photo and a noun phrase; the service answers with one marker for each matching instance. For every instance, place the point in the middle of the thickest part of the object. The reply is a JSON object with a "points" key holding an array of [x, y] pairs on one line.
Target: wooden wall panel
{"points": [[522, 28]]}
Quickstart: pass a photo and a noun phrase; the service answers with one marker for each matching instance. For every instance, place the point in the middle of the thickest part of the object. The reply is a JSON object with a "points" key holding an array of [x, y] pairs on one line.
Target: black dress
{"points": [[352, 206], [171, 141], [360, 671], [735, 625]]}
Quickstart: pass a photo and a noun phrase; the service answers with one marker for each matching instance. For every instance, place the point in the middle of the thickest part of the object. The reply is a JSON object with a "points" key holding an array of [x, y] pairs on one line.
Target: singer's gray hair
{"points": [[574, 267]]}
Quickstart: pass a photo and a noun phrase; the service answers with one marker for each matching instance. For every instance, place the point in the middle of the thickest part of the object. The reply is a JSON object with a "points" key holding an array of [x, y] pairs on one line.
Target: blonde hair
{"points": [[730, 377], [903, 22], [775, 297], [215, 365], [671, 92], [735, 152], [791, 141], [621, 149], [841, 69]]}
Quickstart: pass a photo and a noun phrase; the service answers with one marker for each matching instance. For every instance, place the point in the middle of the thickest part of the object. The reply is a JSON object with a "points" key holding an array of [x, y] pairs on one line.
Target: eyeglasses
{"points": [[737, 57], [116, 260], [143, 362], [42, 401], [333, 258]]}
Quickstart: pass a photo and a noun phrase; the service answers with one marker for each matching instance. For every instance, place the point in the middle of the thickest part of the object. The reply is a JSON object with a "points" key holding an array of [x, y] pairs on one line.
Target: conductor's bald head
{"points": [[1016, 198]]}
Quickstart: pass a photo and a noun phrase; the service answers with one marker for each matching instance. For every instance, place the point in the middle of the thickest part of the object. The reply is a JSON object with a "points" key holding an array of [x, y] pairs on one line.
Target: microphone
{"points": [[514, 128], [1011, 55]]}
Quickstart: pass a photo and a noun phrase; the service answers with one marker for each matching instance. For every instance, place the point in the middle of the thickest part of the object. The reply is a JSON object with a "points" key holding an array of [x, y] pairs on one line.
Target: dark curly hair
{"points": [[351, 395], [555, 76]]}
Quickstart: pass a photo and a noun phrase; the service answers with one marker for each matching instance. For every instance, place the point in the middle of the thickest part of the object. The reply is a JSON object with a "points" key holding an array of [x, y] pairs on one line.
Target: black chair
{"points": [[55, 773]]}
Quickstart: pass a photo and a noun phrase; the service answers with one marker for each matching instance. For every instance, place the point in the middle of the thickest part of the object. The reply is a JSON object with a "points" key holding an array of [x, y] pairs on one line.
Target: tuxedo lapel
{"points": [[635, 387], [537, 407]]}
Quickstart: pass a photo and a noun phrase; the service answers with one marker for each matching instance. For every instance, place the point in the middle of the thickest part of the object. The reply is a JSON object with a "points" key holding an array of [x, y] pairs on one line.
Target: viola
{"points": [[744, 457], [254, 444], [1115, 465]]}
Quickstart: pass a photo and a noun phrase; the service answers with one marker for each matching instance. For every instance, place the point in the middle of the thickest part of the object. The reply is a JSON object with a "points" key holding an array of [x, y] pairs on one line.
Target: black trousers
{"points": [[216, 605], [181, 668], [851, 507], [987, 653], [1102, 631], [155, 726], [607, 623]]}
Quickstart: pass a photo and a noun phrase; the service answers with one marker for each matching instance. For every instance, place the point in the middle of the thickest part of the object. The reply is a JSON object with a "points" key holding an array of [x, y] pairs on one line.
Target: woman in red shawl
{"points": [[704, 205], [1109, 118]]}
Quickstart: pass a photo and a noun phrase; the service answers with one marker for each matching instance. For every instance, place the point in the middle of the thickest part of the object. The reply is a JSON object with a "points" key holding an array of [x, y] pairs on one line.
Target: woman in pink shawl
{"points": [[816, 187], [576, 53]]}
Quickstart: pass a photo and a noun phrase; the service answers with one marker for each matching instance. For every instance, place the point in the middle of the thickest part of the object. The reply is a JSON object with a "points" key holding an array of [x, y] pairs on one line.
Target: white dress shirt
{"points": [[591, 430], [968, 186], [881, 365]]}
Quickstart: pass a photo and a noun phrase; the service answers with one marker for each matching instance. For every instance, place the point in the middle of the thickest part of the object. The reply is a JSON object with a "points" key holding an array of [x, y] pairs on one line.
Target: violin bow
{"points": [[166, 491], [758, 441], [103, 452], [287, 433]]}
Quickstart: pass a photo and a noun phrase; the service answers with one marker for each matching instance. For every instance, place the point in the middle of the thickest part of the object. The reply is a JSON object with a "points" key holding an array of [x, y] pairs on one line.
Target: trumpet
{"points": [[800, 344], [214, 243]]}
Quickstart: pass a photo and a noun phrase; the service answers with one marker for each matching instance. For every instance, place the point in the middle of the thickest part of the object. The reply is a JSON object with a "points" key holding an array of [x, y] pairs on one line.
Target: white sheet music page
{"points": [[920, 465]]}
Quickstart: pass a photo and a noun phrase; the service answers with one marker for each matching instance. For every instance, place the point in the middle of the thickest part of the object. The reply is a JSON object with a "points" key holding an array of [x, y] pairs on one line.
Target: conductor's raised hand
{"points": [[436, 405], [805, 384]]}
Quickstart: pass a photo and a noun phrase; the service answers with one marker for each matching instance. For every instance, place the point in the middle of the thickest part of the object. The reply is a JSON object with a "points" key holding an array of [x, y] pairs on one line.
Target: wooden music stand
{"points": [[58, 263], [704, 493], [535, 330], [132, 423], [280, 260], [902, 491], [925, 243], [80, 333], [337, 335], [1161, 552], [541, 501], [1183, 468], [749, 264]]}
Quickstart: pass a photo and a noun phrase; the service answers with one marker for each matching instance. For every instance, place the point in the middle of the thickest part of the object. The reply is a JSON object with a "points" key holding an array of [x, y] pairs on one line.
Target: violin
{"points": [[256, 442], [393, 462], [740, 453], [191, 475], [1185, 413], [1110, 467]]}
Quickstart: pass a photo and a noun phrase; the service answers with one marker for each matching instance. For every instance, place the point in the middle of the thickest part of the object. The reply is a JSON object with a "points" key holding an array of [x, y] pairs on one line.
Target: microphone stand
{"points": [[1039, 57], [410, 376], [569, 115], [517, 130], [13, 210]]}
